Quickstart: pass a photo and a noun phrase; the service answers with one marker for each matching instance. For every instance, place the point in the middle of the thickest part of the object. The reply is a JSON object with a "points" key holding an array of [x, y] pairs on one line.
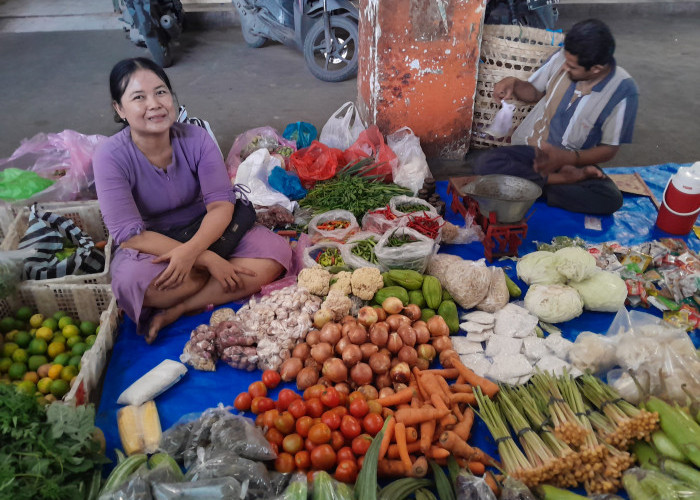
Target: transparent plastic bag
{"points": [[412, 169], [174, 440], [297, 488], [397, 203], [254, 172], [153, 383], [643, 484], [354, 260], [254, 139], [11, 267], [413, 255], [471, 487], [593, 353], [339, 234], [458, 235], [343, 127], [377, 221], [219, 463], [223, 488], [333, 262], [502, 122], [515, 490]]}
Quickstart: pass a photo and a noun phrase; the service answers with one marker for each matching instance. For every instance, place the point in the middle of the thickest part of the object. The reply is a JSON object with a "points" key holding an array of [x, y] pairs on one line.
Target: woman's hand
{"points": [[180, 261], [228, 274]]}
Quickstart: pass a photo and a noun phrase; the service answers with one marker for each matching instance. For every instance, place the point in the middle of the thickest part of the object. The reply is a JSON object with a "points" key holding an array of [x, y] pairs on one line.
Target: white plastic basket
{"points": [[87, 216]]}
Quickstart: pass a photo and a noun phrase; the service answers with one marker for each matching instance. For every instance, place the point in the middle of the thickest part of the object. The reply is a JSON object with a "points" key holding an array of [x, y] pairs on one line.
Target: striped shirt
{"points": [[568, 118]]}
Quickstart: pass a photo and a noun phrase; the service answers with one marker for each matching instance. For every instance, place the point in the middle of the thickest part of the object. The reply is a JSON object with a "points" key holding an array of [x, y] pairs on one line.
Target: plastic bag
{"points": [[297, 488], [11, 267], [412, 168], [273, 217], [458, 235], [380, 220], [223, 488], [317, 162], [593, 353], [471, 487], [251, 140], [16, 184], [227, 464], [286, 183], [655, 485], [371, 143], [138, 486], [302, 133], [153, 383], [342, 128], [413, 255], [355, 261], [326, 254], [319, 229], [254, 172], [502, 122], [515, 490], [400, 206]]}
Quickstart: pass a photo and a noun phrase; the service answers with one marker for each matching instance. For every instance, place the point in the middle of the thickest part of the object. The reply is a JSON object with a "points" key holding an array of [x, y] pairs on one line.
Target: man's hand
{"points": [[503, 90], [549, 159], [227, 274], [180, 261]]}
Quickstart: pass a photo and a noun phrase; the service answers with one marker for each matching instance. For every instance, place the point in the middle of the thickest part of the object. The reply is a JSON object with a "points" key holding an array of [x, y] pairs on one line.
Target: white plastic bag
{"points": [[312, 253], [412, 169], [502, 122], [414, 255], [153, 383], [399, 204], [376, 220], [343, 127], [340, 234], [353, 260], [254, 172]]}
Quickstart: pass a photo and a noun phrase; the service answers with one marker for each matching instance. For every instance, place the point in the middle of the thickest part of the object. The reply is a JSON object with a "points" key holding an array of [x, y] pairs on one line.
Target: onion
{"points": [[386, 351], [367, 350], [394, 361], [322, 316], [367, 316], [422, 332], [408, 355], [348, 319], [407, 334], [341, 345], [321, 351], [427, 352], [330, 333], [446, 357], [381, 313], [369, 391], [412, 312], [301, 351], [361, 374], [306, 378], [352, 354], [437, 326], [313, 337], [291, 368], [394, 344], [379, 334], [334, 370], [382, 381], [392, 305], [418, 323], [393, 321], [386, 391], [357, 334], [380, 363], [442, 343], [324, 382], [399, 387], [343, 388], [347, 326], [422, 364], [400, 373], [312, 363]]}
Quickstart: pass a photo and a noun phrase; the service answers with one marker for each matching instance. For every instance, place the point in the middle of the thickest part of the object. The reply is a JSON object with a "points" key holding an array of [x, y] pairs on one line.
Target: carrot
{"points": [[489, 388], [463, 397], [438, 452], [391, 468], [386, 440], [460, 380], [427, 431], [433, 387], [411, 434], [443, 383], [457, 412], [400, 432], [417, 401], [404, 396], [464, 427], [412, 416], [448, 373], [461, 388], [491, 482], [451, 441], [393, 451], [448, 419], [419, 467], [387, 412]]}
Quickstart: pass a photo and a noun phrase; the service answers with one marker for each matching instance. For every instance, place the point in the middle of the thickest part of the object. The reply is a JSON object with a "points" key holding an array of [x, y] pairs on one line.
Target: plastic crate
{"points": [[87, 216]]}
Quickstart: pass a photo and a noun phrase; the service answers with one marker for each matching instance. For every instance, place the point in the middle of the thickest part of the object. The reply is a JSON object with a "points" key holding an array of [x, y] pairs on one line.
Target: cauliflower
{"points": [[365, 282], [338, 303], [341, 281], [553, 303], [316, 280]]}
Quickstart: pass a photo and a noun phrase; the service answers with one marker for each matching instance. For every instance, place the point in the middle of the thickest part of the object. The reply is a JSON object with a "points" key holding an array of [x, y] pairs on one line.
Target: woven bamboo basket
{"points": [[507, 51]]}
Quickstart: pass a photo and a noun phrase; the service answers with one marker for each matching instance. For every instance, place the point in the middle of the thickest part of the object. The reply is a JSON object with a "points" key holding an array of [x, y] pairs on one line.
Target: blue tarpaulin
{"points": [[197, 391]]}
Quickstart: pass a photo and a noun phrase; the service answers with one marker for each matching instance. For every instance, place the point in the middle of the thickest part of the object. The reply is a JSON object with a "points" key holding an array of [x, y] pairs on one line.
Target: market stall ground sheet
{"points": [[197, 391]]}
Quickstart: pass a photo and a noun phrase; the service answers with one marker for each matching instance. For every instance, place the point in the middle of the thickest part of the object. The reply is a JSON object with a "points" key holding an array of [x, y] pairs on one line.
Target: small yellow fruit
{"points": [[44, 333], [44, 385], [55, 371], [70, 331], [50, 323], [59, 388], [36, 320], [65, 321], [55, 348], [68, 372], [31, 376]]}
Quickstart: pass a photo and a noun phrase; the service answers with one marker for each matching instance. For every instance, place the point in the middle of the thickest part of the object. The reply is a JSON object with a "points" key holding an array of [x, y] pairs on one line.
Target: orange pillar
{"points": [[418, 68]]}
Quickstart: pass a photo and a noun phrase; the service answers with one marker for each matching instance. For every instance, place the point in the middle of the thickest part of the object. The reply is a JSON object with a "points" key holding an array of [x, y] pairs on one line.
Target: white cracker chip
{"points": [[479, 336], [472, 326], [514, 321], [556, 366], [479, 317], [509, 366], [558, 345], [476, 362], [498, 345], [534, 348], [462, 345]]}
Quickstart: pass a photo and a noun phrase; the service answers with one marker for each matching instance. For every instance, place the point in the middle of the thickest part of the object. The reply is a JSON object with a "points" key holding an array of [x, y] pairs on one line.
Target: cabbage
{"points": [[602, 291], [575, 263], [538, 268], [553, 303]]}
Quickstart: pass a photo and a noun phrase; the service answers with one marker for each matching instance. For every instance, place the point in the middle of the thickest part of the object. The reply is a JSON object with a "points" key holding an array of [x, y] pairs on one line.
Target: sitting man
{"points": [[586, 107]]}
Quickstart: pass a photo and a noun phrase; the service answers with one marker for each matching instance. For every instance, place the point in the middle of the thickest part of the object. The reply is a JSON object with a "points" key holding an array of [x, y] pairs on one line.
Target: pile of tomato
{"points": [[322, 430]]}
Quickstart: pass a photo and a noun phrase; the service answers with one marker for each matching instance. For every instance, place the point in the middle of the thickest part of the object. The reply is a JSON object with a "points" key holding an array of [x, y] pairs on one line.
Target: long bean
{"points": [[365, 250]]}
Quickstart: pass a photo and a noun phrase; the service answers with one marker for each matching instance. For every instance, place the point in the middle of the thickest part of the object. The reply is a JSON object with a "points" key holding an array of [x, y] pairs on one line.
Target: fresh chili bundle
{"points": [[425, 224], [365, 250], [408, 208], [330, 257], [332, 225], [386, 212]]}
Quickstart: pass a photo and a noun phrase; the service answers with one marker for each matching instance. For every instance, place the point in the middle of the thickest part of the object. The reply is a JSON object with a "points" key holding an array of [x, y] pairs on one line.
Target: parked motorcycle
{"points": [[326, 31], [533, 13], [153, 23]]}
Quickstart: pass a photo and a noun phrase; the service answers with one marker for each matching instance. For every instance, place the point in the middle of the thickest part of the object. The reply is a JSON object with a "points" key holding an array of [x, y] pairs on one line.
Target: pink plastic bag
{"points": [[65, 157], [254, 139], [371, 143]]}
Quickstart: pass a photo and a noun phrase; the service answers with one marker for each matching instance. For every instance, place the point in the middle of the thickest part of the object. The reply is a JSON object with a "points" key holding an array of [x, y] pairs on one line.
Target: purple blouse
{"points": [[135, 195]]}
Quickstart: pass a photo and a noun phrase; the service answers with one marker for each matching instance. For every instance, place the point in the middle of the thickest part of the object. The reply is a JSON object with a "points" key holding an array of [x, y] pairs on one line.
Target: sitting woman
{"points": [[158, 178]]}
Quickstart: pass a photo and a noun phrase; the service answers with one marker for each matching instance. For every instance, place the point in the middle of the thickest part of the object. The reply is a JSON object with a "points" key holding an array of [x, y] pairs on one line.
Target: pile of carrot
{"points": [[432, 419]]}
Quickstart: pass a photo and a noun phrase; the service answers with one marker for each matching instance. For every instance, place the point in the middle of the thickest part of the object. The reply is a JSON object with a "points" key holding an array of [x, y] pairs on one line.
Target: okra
{"points": [[445, 490], [666, 447], [123, 471], [403, 488]]}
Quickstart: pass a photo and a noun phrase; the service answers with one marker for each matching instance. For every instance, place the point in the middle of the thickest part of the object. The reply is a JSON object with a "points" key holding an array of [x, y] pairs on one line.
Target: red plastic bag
{"points": [[371, 143], [316, 162]]}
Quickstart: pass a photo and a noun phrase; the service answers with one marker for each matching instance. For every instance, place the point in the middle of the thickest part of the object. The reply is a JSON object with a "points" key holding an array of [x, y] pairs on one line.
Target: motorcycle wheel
{"points": [[160, 51], [252, 40], [339, 62]]}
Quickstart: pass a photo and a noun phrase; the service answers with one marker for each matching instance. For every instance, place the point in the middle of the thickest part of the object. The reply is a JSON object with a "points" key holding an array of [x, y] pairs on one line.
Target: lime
{"points": [[24, 313], [36, 320], [55, 371], [37, 346], [31, 376], [68, 372], [5, 364], [44, 333], [90, 340], [55, 348], [27, 387], [70, 331], [59, 388], [70, 342], [80, 348], [44, 385], [75, 360], [17, 371], [7, 324], [50, 323], [22, 339], [59, 338], [59, 314], [19, 356], [20, 325], [9, 348], [88, 328], [34, 362], [62, 359], [65, 321], [10, 336]]}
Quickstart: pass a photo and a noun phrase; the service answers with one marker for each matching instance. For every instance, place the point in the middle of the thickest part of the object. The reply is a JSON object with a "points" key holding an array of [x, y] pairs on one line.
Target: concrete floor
{"points": [[54, 80]]}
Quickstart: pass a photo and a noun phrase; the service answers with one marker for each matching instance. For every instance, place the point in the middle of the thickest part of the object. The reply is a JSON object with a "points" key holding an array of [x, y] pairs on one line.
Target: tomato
{"points": [[285, 423], [303, 425], [354, 395], [320, 433], [341, 411], [242, 401], [274, 436], [372, 423], [309, 445], [360, 444], [323, 457], [302, 459], [331, 419], [359, 408], [258, 421], [261, 404], [345, 453], [271, 378], [350, 427], [346, 471], [310, 476], [375, 407], [330, 397], [285, 397], [314, 407], [284, 463], [360, 461], [275, 448], [297, 408], [337, 440], [257, 389], [314, 391], [292, 443], [269, 417]]}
